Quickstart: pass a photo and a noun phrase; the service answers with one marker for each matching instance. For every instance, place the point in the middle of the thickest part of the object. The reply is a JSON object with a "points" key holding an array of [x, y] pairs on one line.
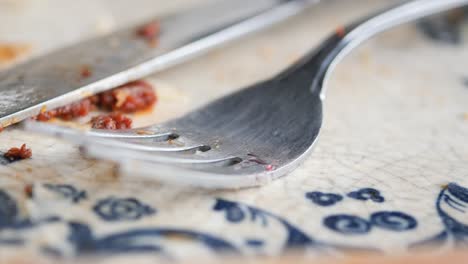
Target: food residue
{"points": [[85, 71], [128, 98], [111, 121], [341, 31], [150, 32], [14, 153], [29, 190], [68, 112], [9, 52]]}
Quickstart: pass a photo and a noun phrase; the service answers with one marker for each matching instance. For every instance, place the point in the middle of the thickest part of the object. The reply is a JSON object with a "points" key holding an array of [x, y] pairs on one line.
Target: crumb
{"points": [[150, 32], [85, 71], [29, 190], [340, 31], [14, 154], [112, 122]]}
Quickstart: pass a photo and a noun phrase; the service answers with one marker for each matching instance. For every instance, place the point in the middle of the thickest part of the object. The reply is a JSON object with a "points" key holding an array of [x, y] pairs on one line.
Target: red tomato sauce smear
{"points": [[128, 98]]}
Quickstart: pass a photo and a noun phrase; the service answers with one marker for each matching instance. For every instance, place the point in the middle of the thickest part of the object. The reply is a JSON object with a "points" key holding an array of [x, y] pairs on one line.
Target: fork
{"points": [[253, 136]]}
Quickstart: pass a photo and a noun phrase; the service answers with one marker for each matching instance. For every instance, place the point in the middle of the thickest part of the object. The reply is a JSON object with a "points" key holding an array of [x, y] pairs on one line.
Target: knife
{"points": [[57, 78]]}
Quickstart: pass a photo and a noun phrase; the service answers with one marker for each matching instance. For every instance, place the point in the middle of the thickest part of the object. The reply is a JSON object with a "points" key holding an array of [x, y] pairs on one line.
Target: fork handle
{"points": [[323, 60]]}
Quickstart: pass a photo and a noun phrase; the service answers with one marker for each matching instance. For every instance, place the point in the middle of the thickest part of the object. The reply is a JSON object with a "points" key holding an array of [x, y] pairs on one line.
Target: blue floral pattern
{"points": [[67, 191], [365, 194], [347, 224], [144, 240], [324, 199], [122, 209], [452, 208], [394, 221], [452, 204]]}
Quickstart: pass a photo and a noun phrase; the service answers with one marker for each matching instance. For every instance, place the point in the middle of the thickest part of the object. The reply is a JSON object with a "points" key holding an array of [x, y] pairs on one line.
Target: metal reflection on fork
{"points": [[250, 137]]}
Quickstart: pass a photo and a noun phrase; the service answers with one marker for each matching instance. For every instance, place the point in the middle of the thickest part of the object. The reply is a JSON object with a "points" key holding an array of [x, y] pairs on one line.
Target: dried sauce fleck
{"points": [[29, 190], [21, 153], [111, 122], [340, 31], [85, 71], [150, 32]]}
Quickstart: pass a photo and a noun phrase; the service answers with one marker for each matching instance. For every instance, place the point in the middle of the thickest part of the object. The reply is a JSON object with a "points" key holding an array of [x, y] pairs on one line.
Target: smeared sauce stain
{"points": [[137, 97], [9, 52]]}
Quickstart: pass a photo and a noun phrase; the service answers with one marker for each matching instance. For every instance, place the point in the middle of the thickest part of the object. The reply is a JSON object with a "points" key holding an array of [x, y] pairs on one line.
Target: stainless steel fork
{"points": [[252, 136]]}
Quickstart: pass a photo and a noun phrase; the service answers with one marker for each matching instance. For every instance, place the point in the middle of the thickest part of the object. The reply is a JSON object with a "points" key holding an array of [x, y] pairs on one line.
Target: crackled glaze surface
{"points": [[389, 173]]}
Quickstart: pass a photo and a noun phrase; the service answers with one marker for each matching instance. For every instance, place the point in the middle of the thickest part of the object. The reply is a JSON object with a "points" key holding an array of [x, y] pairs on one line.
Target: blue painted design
{"points": [[296, 238], [255, 243], [119, 209], [367, 194], [10, 218], [347, 224], [145, 240], [324, 199], [452, 208], [395, 221], [67, 191], [235, 213], [8, 210]]}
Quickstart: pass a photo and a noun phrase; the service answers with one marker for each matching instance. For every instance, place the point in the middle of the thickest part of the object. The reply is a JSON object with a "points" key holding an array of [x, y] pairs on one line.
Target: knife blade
{"points": [[56, 79]]}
